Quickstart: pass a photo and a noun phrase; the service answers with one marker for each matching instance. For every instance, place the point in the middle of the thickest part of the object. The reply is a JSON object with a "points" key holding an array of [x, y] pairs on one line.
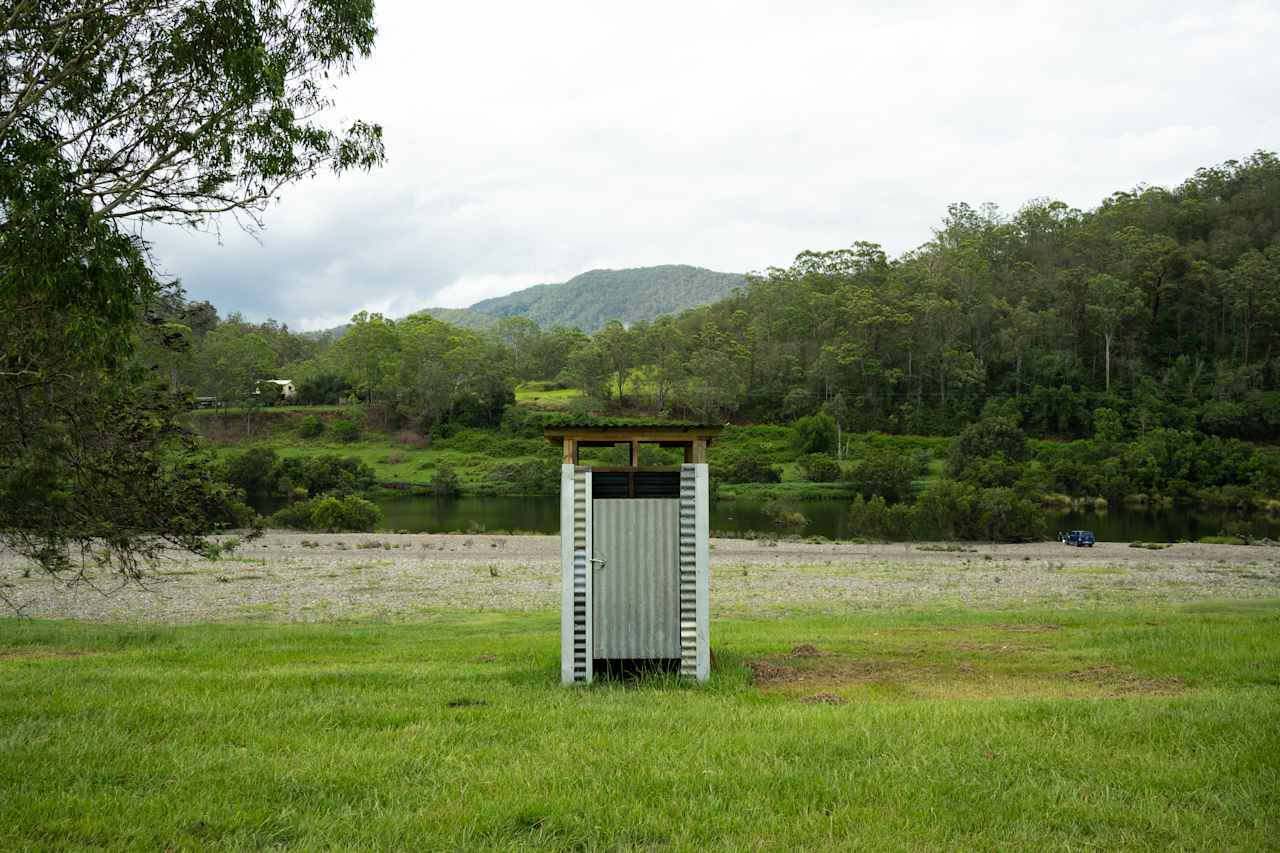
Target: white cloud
{"points": [[528, 138], [470, 289]]}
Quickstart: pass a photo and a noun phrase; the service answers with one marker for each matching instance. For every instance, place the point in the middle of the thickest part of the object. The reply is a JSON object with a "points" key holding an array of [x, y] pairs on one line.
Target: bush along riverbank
{"points": [[991, 482]]}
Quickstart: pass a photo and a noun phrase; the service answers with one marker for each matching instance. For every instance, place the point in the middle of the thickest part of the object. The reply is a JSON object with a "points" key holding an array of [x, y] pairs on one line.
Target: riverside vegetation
{"points": [[1134, 345], [988, 483]]}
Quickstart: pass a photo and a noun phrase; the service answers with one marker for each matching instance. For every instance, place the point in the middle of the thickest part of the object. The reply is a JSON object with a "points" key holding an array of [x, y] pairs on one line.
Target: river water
{"points": [[827, 518]]}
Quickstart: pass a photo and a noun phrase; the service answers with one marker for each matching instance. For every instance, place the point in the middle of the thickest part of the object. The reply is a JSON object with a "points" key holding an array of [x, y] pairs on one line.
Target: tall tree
{"points": [[619, 345], [369, 353], [1253, 292], [1111, 303], [115, 112]]}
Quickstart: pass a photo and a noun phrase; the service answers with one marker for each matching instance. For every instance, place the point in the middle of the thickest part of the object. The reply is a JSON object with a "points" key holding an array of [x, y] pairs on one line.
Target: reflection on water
{"points": [[827, 518]]}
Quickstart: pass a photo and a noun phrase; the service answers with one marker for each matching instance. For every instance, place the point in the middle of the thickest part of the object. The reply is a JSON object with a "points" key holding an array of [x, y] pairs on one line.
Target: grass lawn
{"points": [[929, 730], [472, 453], [539, 396]]}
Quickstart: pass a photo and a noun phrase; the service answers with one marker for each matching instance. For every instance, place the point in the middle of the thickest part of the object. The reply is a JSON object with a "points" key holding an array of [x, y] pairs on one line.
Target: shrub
{"points": [[963, 511], [445, 483], [322, 389], [815, 434], [780, 515], [253, 471], [799, 402], [443, 429], [944, 510], [342, 514], [326, 474], [952, 510], [295, 516], [532, 477], [1108, 426], [820, 468], [1004, 516], [749, 469], [311, 427], [525, 422], [876, 519], [988, 453], [345, 430], [885, 473], [409, 438], [791, 518], [1222, 540]]}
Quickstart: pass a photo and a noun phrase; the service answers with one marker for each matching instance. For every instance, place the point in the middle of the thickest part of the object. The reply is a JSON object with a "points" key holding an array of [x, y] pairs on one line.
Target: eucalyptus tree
{"points": [[116, 113], [621, 348], [444, 371], [369, 355], [1253, 292], [1112, 302]]}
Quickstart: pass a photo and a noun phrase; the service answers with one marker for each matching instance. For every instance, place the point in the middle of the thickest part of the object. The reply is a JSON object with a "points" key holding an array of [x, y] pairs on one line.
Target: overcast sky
{"points": [[528, 142]]}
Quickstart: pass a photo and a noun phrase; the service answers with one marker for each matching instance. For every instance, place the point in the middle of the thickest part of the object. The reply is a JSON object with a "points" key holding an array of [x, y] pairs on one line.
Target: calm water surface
{"points": [[828, 518]]}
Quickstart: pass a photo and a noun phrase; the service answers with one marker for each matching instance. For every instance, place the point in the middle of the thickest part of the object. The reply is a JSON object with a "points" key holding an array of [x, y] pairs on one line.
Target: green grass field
{"points": [[472, 453], [1012, 730], [538, 395]]}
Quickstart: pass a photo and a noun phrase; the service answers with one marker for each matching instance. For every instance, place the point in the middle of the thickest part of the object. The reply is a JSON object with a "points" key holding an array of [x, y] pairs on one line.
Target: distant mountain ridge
{"points": [[591, 299]]}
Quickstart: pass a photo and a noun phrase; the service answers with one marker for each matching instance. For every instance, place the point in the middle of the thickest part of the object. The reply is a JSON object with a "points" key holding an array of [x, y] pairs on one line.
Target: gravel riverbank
{"points": [[292, 577]]}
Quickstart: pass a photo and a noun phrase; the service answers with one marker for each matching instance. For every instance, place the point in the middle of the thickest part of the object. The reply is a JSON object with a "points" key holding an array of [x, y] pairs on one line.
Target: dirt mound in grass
{"points": [[805, 650], [779, 671], [824, 699], [1124, 682]]}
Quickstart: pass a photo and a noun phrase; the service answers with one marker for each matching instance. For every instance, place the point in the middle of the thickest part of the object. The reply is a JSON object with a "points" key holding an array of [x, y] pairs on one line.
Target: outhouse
{"points": [[633, 552]]}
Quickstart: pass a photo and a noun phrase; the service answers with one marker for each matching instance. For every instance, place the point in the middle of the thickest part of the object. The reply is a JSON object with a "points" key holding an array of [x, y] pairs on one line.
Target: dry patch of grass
{"points": [[851, 677], [1122, 682], [968, 662]]}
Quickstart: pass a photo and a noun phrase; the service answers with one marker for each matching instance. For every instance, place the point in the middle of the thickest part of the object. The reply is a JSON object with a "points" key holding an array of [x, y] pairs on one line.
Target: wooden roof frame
{"points": [[694, 439]]}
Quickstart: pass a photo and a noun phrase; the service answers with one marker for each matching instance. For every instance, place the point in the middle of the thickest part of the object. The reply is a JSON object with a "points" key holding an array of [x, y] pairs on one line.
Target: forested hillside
{"points": [[463, 317], [1146, 329], [1160, 305], [589, 300]]}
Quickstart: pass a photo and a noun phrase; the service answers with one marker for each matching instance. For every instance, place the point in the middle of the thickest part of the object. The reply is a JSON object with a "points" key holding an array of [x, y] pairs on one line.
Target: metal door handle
{"points": [[599, 560]]}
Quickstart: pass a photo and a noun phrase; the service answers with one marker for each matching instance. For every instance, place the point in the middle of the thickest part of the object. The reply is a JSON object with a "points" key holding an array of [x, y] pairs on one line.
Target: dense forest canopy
{"points": [[1160, 305]]}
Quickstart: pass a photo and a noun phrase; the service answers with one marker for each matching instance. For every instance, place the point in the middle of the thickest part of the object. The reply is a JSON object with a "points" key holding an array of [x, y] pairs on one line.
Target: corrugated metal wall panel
{"points": [[582, 587], [688, 572], [566, 573], [635, 594], [702, 568]]}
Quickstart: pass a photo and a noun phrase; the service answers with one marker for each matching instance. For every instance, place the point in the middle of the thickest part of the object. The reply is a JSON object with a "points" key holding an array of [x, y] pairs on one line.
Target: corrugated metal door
{"points": [[635, 595]]}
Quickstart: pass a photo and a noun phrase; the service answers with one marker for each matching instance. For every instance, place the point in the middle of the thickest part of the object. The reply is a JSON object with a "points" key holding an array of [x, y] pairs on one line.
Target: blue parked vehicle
{"points": [[1079, 538]]}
